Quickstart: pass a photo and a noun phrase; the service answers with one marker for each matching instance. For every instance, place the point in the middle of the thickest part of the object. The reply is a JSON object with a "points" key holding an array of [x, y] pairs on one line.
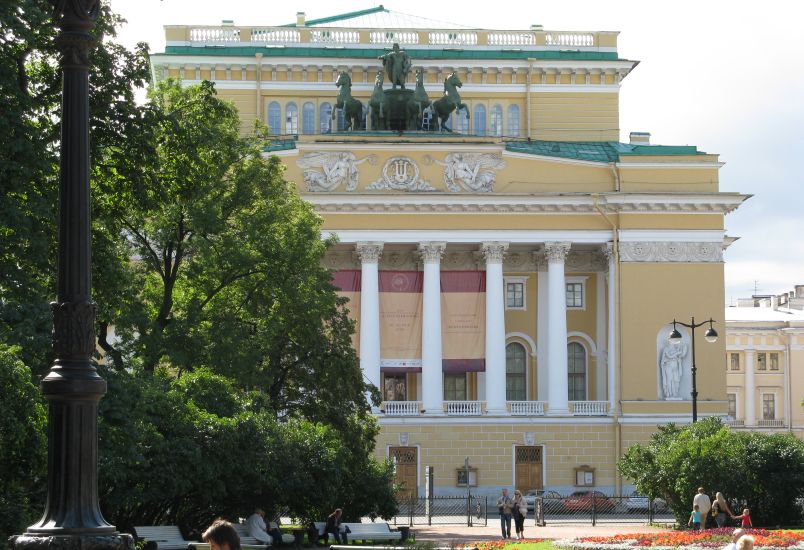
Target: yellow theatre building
{"points": [[513, 280]]}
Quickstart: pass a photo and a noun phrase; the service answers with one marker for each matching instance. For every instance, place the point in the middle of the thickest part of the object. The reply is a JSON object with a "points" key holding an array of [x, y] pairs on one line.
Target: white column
{"points": [[369, 253], [495, 328], [542, 370], [600, 336], [611, 346], [432, 370], [750, 390], [556, 253]]}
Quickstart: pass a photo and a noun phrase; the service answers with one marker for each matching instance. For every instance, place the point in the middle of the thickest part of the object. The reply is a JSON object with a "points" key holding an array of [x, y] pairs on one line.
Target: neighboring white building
{"points": [[765, 362]]}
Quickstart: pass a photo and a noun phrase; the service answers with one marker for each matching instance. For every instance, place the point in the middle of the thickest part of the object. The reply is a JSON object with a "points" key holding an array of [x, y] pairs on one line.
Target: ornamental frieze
{"points": [[329, 171], [671, 252], [400, 174], [470, 171]]}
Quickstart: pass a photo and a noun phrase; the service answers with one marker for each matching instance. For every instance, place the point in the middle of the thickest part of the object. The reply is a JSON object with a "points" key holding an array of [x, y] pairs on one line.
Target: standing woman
{"points": [[520, 510], [721, 508]]}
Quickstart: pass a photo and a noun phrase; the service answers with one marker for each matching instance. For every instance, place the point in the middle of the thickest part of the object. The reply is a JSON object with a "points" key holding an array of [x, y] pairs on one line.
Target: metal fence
{"points": [[599, 508], [459, 510]]}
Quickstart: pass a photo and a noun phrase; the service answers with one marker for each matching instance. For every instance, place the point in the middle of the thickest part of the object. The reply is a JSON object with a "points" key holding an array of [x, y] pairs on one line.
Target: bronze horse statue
{"points": [[418, 103], [450, 101], [378, 105], [352, 108]]}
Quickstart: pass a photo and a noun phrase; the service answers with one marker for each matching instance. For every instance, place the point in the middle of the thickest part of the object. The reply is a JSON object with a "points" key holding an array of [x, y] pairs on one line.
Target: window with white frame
{"points": [[515, 292], [515, 364], [735, 361], [576, 292], [291, 119], [774, 361], [768, 406], [762, 361], [325, 118], [513, 121], [732, 397], [308, 118], [274, 117], [576, 372], [496, 120], [455, 387], [480, 120]]}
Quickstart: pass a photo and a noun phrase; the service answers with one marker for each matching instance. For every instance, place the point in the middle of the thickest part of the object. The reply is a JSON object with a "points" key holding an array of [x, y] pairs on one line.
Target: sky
{"points": [[726, 76]]}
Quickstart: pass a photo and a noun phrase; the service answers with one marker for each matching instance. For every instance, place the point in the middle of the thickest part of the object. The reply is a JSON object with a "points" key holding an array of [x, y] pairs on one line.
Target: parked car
{"points": [[582, 501], [639, 503], [552, 501]]}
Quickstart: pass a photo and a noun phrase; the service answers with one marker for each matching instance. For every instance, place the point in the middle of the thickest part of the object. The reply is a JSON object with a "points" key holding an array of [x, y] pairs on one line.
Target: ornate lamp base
{"points": [[116, 541]]}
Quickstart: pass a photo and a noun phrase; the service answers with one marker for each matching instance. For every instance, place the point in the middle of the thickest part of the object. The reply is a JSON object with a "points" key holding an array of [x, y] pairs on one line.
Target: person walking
{"points": [[695, 518], [520, 512], [334, 527], [504, 504], [704, 505], [720, 508], [745, 518]]}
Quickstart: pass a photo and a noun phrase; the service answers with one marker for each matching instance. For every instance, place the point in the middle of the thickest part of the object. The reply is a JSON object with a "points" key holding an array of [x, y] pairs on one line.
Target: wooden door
{"points": [[528, 461], [407, 459]]}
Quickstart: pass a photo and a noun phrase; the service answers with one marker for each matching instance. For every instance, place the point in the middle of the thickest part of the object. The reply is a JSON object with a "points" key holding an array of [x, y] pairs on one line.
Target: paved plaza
{"points": [[448, 534]]}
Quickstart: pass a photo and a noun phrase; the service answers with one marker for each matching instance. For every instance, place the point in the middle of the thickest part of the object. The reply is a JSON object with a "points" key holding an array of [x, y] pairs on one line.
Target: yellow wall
{"points": [[575, 116]]}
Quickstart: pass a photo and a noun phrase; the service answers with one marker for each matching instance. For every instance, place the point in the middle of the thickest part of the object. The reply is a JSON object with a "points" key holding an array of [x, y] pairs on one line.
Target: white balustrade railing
{"points": [[279, 36], [215, 34], [576, 39], [402, 408], [452, 38], [507, 38], [770, 423], [335, 36], [589, 408], [463, 408], [389, 37], [526, 408], [735, 423]]}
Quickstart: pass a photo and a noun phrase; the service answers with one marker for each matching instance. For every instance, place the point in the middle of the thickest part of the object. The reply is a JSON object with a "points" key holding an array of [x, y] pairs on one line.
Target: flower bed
{"points": [[500, 544], [709, 538]]}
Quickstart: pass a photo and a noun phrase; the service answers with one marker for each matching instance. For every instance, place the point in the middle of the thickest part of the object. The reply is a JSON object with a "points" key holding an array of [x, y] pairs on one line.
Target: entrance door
{"points": [[407, 459], [528, 462]]}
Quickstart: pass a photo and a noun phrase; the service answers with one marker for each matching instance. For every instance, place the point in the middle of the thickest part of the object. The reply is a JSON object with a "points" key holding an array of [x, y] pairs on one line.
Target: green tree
{"points": [[22, 445], [763, 472]]}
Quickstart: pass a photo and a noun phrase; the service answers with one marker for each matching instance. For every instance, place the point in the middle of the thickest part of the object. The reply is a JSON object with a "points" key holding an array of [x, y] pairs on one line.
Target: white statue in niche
{"points": [[672, 365]]}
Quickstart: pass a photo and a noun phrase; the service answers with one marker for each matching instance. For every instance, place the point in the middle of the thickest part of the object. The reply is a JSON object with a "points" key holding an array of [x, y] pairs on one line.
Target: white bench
{"points": [[371, 531], [248, 541], [166, 537]]}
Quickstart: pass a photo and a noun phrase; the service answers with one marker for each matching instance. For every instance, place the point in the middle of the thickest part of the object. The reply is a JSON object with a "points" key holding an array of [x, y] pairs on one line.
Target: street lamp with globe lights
{"points": [[675, 338]]}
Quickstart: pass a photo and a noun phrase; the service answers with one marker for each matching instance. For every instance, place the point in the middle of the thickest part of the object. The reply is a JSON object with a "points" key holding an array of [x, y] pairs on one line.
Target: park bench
{"points": [[166, 537], [371, 531]]}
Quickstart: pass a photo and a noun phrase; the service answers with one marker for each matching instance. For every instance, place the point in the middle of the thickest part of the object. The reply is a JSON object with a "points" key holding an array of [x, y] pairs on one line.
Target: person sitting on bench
{"points": [[258, 529], [334, 527]]}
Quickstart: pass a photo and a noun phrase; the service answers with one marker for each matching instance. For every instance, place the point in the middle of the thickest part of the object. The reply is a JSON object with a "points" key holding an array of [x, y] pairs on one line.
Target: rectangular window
{"points": [[395, 387], [768, 406], [735, 361], [575, 295], [774, 361], [515, 295], [762, 361], [732, 404], [455, 387]]}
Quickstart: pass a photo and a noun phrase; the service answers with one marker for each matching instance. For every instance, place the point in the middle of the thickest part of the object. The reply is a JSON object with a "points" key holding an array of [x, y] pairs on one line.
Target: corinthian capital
{"points": [[494, 251], [369, 253], [556, 252], [431, 252]]}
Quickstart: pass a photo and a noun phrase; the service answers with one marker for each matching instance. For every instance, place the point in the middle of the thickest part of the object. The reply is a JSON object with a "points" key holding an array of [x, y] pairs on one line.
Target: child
{"points": [[695, 518], [746, 518]]}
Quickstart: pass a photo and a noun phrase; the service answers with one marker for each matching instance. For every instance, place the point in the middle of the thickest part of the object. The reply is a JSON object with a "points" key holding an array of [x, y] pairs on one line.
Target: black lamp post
{"points": [[675, 338], [72, 519]]}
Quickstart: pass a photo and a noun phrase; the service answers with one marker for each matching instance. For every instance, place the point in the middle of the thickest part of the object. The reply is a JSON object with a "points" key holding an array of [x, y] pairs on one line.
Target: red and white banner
{"points": [[463, 321], [401, 321]]}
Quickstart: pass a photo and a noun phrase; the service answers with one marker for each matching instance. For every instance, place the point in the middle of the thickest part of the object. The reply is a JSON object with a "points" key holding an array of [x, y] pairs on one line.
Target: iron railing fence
{"points": [[443, 510], [596, 507]]}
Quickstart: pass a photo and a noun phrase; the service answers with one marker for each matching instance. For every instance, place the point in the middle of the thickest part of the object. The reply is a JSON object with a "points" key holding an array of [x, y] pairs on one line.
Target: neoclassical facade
{"points": [[513, 281]]}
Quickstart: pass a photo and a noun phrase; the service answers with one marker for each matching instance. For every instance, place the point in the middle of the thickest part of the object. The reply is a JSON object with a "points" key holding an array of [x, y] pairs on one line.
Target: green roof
{"points": [[594, 151], [597, 151], [373, 53]]}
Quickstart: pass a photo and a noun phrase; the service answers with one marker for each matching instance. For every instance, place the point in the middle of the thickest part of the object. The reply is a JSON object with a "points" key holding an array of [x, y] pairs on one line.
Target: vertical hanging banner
{"points": [[463, 321], [347, 281], [401, 321]]}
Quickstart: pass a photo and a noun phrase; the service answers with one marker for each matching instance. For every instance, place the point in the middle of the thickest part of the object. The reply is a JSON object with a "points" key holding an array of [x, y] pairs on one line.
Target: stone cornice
{"points": [[689, 252], [387, 203]]}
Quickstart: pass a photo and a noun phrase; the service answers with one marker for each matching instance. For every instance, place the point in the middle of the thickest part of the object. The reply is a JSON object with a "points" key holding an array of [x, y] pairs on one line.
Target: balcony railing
{"points": [[402, 408], [463, 408], [589, 408], [770, 423], [216, 35], [526, 408], [735, 423]]}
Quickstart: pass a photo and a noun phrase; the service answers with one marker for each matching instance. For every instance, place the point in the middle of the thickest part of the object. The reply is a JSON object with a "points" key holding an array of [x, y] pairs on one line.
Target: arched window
{"points": [[308, 118], [480, 120], [515, 363], [459, 122], [576, 372], [513, 121], [496, 120], [291, 119], [274, 117], [325, 117]]}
